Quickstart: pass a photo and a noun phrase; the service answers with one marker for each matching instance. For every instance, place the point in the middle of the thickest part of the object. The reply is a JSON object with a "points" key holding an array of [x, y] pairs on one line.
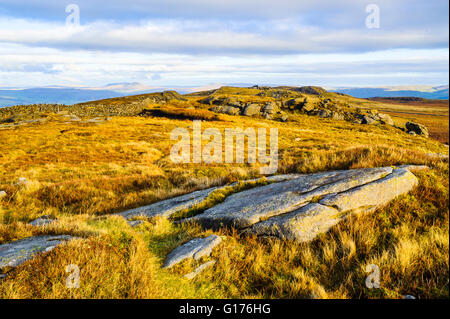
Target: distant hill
{"points": [[437, 92], [69, 96], [66, 96]]}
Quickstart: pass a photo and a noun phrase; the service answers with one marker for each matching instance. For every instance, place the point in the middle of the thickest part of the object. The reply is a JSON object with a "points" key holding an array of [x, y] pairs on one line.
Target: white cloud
{"points": [[199, 42], [98, 68], [212, 37]]}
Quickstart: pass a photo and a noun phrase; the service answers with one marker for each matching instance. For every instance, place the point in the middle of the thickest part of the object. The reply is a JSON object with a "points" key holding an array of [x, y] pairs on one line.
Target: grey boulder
{"points": [[17, 252], [42, 221], [195, 248], [417, 128], [252, 110]]}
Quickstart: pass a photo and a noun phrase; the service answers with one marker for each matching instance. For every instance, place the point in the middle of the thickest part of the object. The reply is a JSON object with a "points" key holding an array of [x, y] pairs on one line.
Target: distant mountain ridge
{"points": [[69, 96], [53, 96], [427, 92]]}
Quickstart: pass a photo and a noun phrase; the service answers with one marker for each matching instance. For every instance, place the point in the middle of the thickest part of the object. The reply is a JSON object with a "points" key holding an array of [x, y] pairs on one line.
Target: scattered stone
{"points": [[337, 116], [252, 110], [315, 90], [283, 118], [2, 194], [409, 297], [307, 107], [325, 113], [368, 120], [386, 119], [135, 223], [417, 128], [195, 248], [232, 101], [226, 109], [43, 221], [22, 181], [270, 108], [17, 252], [95, 120], [199, 269]]}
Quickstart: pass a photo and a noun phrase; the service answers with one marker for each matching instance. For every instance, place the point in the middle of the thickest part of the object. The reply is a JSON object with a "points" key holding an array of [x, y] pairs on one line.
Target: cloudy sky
{"points": [[204, 42]]}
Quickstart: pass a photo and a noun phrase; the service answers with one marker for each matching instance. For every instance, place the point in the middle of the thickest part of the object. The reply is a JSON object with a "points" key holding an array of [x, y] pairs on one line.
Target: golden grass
{"points": [[80, 173]]}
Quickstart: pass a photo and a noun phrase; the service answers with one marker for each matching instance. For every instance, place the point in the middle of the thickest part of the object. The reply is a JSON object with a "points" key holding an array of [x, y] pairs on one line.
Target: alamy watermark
{"points": [[373, 19], [373, 280], [73, 280], [73, 19], [212, 151]]}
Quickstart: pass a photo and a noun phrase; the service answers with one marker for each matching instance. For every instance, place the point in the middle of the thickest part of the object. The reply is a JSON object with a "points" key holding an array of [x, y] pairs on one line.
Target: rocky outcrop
{"points": [[17, 252], [196, 249], [314, 90], [226, 109]]}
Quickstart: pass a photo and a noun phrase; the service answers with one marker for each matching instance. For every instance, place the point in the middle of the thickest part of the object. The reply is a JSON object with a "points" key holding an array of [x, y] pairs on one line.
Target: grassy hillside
{"points": [[82, 170]]}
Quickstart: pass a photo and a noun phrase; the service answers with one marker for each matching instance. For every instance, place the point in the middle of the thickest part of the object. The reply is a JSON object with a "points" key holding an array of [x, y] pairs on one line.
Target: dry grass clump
{"points": [[182, 114]]}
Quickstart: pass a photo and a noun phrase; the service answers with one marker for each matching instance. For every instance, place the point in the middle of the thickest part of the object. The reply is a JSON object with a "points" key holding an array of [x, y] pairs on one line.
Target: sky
{"points": [[205, 42]]}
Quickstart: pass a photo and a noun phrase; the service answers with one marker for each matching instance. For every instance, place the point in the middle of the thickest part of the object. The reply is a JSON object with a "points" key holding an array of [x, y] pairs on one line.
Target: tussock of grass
{"points": [[182, 114]]}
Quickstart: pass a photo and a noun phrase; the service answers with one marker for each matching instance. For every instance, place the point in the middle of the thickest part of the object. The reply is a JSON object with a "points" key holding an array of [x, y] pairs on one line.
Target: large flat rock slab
{"points": [[301, 225], [374, 194], [170, 206], [306, 223], [17, 252], [195, 248], [249, 207]]}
